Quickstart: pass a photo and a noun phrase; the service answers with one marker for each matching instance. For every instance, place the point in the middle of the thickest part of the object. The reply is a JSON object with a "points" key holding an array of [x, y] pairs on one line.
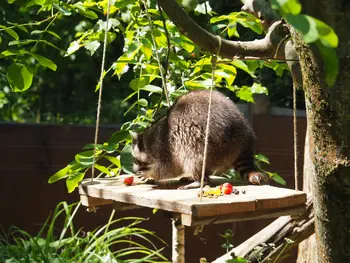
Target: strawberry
{"points": [[128, 180]]}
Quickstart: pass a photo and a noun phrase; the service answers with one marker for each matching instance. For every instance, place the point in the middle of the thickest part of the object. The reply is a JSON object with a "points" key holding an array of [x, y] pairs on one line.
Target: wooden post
{"points": [[178, 252]]}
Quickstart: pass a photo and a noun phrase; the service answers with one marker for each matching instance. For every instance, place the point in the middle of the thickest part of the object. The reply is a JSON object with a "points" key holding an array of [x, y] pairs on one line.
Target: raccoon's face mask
{"points": [[141, 158]]}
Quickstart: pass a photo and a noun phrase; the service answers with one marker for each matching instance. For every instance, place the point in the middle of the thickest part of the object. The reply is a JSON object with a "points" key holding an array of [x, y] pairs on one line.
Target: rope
{"points": [[205, 153], [296, 174], [100, 91], [165, 90]]}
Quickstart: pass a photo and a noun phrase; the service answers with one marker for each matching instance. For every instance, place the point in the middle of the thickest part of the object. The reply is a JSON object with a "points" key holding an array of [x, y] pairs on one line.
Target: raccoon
{"points": [[173, 146]]}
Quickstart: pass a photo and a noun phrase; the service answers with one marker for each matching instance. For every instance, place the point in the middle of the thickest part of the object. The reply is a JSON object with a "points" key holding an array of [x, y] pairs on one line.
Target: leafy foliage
{"points": [[313, 31], [109, 243], [152, 47]]}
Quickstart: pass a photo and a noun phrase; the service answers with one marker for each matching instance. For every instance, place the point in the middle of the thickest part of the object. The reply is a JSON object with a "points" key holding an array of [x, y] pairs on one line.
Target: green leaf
{"points": [[249, 21], [262, 158], [11, 1], [102, 169], [326, 33], [277, 178], [92, 46], [245, 93], [139, 83], [153, 89], [22, 42], [232, 29], [38, 32], [85, 158], [11, 52], [287, 6], [126, 159], [62, 10], [231, 73], [123, 3], [219, 18], [45, 62], [73, 47], [0, 39], [118, 137], [63, 173], [198, 84], [184, 43], [84, 11], [330, 61], [12, 33], [146, 48], [160, 38], [237, 260], [243, 66], [113, 160], [306, 25], [257, 88], [73, 180], [19, 77]]}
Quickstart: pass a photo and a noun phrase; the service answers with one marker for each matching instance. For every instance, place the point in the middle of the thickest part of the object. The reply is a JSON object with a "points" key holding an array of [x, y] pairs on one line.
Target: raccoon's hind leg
{"points": [[246, 167]]}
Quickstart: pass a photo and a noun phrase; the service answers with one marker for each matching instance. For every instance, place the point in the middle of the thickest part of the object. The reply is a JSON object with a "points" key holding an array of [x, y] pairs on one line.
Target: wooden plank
{"points": [[90, 201], [190, 220], [256, 198]]}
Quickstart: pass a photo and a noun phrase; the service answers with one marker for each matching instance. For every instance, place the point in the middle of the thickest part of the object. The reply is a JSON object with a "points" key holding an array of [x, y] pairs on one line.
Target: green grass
{"points": [[120, 240]]}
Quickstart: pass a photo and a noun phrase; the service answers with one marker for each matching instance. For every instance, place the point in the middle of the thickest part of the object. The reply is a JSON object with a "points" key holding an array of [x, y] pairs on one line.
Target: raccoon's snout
{"points": [[140, 166]]}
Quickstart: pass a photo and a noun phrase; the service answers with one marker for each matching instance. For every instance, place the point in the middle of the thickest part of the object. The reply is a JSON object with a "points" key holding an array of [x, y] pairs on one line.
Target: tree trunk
{"points": [[328, 116], [307, 248]]}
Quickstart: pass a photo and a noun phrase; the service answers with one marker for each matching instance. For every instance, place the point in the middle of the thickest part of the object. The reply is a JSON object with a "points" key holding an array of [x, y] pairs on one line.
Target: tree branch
{"points": [[275, 233], [258, 48]]}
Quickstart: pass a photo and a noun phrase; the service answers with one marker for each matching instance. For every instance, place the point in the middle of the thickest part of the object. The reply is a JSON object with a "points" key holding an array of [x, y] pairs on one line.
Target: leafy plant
{"points": [[117, 241]]}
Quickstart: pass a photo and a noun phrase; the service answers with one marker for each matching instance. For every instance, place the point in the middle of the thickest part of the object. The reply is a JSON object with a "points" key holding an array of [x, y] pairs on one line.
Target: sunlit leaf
{"points": [[102, 169], [123, 3], [152, 88], [12, 33], [118, 136], [19, 77], [113, 160], [73, 181], [262, 158], [126, 160], [85, 11], [62, 10], [245, 93], [306, 25], [277, 178], [45, 62], [92, 46], [63, 173], [330, 61], [85, 158], [146, 48], [287, 6]]}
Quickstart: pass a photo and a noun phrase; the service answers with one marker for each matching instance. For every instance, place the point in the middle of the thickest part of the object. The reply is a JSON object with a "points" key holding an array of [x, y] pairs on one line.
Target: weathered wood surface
{"points": [[257, 199]]}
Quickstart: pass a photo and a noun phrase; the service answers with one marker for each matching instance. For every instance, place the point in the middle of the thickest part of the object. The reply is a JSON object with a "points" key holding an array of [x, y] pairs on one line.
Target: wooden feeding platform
{"points": [[252, 202]]}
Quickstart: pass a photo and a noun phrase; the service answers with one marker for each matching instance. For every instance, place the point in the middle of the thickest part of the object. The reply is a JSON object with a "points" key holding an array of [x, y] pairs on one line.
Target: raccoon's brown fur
{"points": [[174, 145]]}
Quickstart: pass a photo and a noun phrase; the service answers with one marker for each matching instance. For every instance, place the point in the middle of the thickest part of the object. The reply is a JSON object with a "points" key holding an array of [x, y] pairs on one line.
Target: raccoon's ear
{"points": [[134, 135]]}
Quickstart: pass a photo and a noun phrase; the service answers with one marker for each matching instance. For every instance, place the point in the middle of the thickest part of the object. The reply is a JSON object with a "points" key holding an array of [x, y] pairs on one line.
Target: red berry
{"points": [[128, 180], [227, 185], [226, 190]]}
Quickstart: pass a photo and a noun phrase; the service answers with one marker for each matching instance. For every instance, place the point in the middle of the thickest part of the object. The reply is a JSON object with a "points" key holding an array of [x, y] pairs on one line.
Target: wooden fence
{"points": [[31, 153]]}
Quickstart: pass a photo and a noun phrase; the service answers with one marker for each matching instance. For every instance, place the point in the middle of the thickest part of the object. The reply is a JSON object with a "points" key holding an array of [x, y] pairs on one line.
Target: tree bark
{"points": [[328, 111], [307, 250]]}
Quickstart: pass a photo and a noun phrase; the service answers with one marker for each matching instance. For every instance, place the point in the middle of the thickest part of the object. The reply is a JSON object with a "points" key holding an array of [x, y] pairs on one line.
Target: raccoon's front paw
{"points": [[258, 178], [144, 178], [193, 185]]}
